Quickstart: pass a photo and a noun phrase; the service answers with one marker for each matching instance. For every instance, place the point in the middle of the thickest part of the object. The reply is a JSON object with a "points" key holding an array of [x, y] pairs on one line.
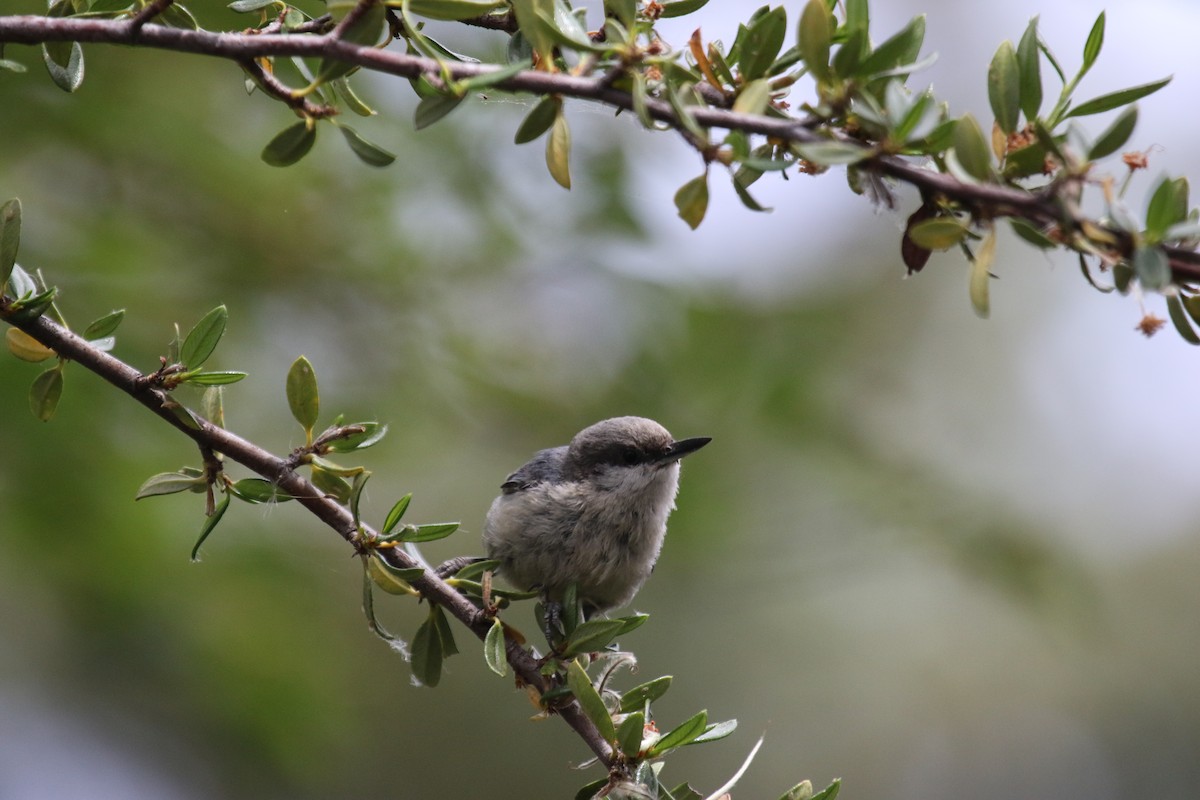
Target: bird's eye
{"points": [[629, 456]]}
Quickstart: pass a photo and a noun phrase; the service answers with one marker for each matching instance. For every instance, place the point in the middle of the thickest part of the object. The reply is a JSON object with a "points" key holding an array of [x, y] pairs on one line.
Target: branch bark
{"points": [[211, 437], [987, 200]]}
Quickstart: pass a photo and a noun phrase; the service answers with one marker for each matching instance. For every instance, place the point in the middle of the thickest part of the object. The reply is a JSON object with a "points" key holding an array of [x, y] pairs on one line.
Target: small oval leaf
{"points": [[25, 347], [1004, 87], [45, 393], [972, 148], [681, 735], [558, 152], [493, 649], [290, 145], [538, 120], [105, 325], [369, 153], [589, 700], [302, 396], [10, 238], [202, 339], [692, 201]]}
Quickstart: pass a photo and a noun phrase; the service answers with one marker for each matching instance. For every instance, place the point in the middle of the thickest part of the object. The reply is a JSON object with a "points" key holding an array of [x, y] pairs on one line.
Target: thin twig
{"points": [[992, 200], [212, 438]]}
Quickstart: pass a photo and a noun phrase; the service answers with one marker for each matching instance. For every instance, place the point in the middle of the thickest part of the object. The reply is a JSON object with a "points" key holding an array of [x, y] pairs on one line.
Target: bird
{"points": [[592, 513]]}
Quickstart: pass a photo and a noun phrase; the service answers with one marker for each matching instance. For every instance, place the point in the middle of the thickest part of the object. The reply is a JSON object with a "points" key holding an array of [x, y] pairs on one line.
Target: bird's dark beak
{"points": [[683, 447]]}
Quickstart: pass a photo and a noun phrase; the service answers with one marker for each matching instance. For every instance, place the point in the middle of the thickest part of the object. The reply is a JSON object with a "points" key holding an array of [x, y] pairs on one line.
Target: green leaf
{"points": [[539, 119], [210, 524], [848, 60], [212, 406], [939, 233], [369, 153], [10, 238], [858, 16], [185, 480], [902, 48], [716, 731], [372, 433], [801, 791], [433, 108], [1180, 319], [1030, 66], [391, 579], [493, 649], [342, 88], [972, 148], [1168, 205], [105, 325], [393, 516], [831, 153], [64, 62], [692, 200], [177, 16], [445, 634], [1031, 234], [427, 533], [744, 195], [45, 393], [453, 9], [981, 274], [591, 636], [534, 28], [684, 791], [558, 152], [1095, 40], [630, 733], [1124, 97], [202, 339], [763, 41], [632, 622], [1192, 305], [25, 347], [1004, 87], [302, 396], [489, 79], [589, 791], [13, 66], [1116, 135], [427, 655], [365, 30], [246, 6], [648, 692], [215, 377], [257, 490], [589, 700], [624, 11], [290, 145], [753, 98], [1152, 268], [830, 791], [816, 24], [680, 8], [684, 733], [331, 483]]}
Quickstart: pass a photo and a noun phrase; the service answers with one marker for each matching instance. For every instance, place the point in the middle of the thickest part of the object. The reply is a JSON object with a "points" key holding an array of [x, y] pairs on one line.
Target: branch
{"points": [[985, 200], [278, 471]]}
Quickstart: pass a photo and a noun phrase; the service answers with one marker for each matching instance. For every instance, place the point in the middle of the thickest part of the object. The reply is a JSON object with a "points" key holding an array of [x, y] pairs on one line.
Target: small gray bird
{"points": [[592, 513]]}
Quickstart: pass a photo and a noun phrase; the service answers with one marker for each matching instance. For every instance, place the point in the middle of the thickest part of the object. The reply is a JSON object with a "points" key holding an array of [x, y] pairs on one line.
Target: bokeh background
{"points": [[933, 555]]}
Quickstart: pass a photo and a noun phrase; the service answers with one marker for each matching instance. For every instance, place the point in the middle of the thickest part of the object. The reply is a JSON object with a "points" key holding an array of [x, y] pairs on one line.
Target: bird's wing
{"points": [[546, 465]]}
